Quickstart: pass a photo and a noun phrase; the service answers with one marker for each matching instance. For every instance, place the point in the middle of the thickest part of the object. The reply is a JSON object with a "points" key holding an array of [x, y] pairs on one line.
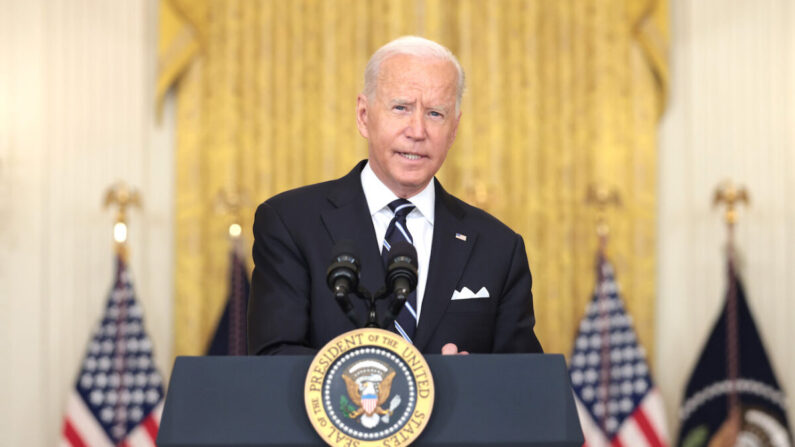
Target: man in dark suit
{"points": [[474, 288]]}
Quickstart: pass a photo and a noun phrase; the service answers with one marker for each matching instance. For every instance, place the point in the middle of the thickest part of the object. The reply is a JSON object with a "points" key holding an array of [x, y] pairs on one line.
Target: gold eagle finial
{"points": [[231, 204], [124, 197], [731, 195], [602, 197]]}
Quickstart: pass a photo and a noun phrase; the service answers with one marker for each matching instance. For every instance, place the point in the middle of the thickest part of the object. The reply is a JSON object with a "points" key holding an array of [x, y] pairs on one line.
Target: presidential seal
{"points": [[369, 387]]}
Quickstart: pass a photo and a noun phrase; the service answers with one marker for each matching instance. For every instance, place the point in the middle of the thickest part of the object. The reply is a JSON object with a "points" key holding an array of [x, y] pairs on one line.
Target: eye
{"points": [[400, 108], [435, 114]]}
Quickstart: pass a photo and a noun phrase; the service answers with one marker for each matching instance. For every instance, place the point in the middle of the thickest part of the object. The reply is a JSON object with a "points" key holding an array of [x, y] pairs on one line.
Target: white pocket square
{"points": [[467, 294]]}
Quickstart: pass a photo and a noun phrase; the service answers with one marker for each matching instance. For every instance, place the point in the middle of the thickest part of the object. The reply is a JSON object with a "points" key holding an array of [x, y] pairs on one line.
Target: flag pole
{"points": [[124, 197], [602, 198], [731, 196], [231, 203]]}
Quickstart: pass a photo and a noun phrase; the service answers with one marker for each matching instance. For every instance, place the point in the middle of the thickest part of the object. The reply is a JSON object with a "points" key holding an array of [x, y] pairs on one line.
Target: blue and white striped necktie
{"points": [[398, 231]]}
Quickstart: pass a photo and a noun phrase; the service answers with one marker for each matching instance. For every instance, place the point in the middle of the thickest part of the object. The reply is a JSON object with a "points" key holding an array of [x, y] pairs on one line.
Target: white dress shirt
{"points": [[419, 221]]}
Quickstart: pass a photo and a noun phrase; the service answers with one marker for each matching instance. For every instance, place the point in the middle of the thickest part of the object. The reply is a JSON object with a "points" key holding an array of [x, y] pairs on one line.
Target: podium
{"points": [[481, 400]]}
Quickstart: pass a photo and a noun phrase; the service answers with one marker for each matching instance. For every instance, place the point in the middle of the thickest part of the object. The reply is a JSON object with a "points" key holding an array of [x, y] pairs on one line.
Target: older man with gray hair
{"points": [[474, 285]]}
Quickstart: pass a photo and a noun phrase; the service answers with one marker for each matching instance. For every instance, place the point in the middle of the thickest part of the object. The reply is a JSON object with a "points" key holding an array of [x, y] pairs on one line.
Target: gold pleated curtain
{"points": [[561, 94]]}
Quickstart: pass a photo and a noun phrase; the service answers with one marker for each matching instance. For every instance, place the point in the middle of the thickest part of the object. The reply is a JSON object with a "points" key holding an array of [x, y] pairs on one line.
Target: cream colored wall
{"points": [[76, 114], [731, 114]]}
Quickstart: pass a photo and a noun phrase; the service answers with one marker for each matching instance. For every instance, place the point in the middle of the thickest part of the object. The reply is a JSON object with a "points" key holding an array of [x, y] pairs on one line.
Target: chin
{"points": [[413, 184]]}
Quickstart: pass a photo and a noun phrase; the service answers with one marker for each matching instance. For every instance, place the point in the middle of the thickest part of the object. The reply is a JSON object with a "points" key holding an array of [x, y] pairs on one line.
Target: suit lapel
{"points": [[449, 256], [350, 219]]}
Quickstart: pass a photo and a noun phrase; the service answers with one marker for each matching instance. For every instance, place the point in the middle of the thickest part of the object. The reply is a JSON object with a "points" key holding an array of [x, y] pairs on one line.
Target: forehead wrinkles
{"points": [[432, 81]]}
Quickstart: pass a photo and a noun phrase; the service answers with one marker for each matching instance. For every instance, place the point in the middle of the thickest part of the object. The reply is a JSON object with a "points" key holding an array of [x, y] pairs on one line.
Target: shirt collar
{"points": [[379, 195]]}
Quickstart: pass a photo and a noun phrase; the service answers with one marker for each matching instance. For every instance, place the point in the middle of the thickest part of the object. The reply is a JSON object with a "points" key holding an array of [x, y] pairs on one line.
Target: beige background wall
{"points": [[76, 114], [731, 114], [76, 80]]}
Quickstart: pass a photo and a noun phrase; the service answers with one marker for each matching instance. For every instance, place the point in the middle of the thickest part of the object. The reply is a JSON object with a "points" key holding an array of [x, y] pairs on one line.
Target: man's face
{"points": [[410, 122]]}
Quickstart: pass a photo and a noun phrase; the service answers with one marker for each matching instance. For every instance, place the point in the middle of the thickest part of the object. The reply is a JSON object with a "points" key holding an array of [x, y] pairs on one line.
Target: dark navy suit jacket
{"points": [[292, 311]]}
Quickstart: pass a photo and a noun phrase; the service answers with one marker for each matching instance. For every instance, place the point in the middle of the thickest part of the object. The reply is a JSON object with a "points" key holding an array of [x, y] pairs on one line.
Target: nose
{"points": [[416, 126]]}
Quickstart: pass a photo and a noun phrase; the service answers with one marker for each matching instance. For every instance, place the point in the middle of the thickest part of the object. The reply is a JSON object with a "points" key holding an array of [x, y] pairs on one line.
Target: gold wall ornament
{"points": [[123, 197], [731, 195]]}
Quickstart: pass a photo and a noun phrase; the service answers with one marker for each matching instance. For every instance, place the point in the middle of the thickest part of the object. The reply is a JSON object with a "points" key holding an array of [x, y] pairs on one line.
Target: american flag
{"points": [[118, 397], [230, 334], [617, 402]]}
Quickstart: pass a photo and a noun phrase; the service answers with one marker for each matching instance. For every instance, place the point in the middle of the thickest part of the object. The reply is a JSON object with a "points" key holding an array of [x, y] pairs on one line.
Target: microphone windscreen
{"points": [[403, 249]]}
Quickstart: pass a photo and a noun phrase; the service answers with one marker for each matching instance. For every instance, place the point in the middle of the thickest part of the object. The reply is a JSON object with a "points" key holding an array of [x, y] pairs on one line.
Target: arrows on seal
{"points": [[392, 405]]}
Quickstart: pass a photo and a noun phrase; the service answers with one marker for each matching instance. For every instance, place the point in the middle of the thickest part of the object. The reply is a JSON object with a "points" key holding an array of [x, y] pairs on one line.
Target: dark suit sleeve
{"points": [[515, 316], [278, 310]]}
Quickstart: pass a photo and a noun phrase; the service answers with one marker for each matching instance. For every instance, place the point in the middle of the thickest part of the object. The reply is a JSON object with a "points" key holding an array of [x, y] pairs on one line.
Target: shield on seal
{"points": [[369, 401]]}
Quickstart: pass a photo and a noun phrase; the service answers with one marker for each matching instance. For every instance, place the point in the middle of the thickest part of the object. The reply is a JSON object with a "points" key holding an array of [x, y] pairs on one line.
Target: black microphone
{"points": [[401, 277], [342, 276]]}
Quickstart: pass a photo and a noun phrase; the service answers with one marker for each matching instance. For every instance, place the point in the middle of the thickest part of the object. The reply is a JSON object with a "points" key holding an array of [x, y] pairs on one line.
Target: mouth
{"points": [[410, 156]]}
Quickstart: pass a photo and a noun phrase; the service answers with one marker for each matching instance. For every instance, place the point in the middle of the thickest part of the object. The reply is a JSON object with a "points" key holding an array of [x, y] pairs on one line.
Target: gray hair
{"points": [[413, 46]]}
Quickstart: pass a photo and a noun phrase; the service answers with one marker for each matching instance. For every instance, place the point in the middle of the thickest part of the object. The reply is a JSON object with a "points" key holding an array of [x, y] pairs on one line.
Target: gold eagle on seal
{"points": [[369, 387]]}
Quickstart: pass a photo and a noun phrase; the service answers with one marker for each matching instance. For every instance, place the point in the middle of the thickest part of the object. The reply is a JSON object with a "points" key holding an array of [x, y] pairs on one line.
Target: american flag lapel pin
{"points": [[462, 237]]}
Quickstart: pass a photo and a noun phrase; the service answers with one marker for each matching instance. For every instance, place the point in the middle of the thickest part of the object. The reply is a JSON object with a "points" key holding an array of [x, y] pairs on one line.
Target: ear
{"points": [[361, 114]]}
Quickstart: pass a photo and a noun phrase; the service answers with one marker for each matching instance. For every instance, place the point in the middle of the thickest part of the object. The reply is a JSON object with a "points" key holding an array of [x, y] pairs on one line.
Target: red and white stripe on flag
{"points": [[645, 426], [118, 394], [81, 428]]}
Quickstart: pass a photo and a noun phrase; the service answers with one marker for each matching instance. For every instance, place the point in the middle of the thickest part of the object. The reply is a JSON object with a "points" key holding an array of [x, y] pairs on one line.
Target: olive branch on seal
{"points": [[346, 407]]}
